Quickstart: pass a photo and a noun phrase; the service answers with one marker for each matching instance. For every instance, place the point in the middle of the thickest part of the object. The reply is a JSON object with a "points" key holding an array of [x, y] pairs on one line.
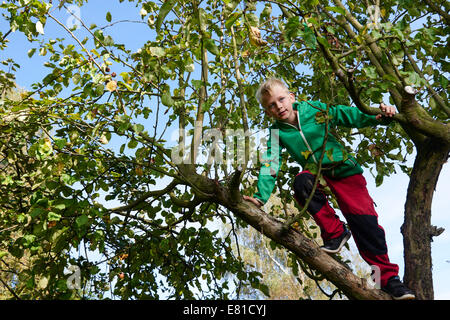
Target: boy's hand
{"points": [[253, 200], [386, 111]]}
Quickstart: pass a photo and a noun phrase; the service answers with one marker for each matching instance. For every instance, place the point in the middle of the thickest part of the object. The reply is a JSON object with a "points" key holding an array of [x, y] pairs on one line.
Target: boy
{"points": [[300, 128]]}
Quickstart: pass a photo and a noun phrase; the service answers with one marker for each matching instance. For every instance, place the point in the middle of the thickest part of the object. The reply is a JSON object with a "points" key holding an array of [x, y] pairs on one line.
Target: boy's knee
{"points": [[303, 185]]}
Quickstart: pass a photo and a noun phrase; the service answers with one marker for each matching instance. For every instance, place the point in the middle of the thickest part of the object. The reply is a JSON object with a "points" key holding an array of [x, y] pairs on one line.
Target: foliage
{"points": [[86, 173]]}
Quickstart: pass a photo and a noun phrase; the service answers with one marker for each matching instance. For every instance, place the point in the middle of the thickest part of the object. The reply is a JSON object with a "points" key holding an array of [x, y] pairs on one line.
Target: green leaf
{"points": [[81, 220], [31, 52], [138, 128], [166, 99], [76, 78], [323, 42], [210, 45], [370, 72], [157, 51], [108, 16], [336, 9], [35, 212], [389, 77], [3, 254], [99, 89], [264, 289], [232, 19], [132, 144], [443, 81], [60, 143], [52, 216], [163, 12], [60, 206], [379, 180]]}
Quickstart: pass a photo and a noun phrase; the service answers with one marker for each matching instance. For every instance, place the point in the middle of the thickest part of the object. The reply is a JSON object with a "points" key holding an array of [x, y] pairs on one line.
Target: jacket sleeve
{"points": [[270, 166], [352, 117]]}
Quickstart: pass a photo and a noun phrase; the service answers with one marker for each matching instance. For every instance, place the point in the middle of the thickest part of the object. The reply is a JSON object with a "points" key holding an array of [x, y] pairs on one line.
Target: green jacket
{"points": [[305, 143]]}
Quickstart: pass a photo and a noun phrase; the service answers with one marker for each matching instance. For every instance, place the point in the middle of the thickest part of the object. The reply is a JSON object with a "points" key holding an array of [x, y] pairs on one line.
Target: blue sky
{"points": [[389, 197]]}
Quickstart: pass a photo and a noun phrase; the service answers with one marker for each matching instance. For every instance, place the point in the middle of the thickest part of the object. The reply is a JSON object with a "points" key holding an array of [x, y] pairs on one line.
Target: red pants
{"points": [[357, 207]]}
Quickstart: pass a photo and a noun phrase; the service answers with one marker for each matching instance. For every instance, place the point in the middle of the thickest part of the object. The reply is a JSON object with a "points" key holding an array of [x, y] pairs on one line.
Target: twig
{"points": [[10, 289], [91, 58], [144, 197]]}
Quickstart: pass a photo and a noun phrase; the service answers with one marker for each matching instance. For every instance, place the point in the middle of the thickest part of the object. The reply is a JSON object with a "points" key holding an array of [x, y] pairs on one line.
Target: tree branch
{"points": [[436, 8], [145, 196], [440, 102], [304, 248]]}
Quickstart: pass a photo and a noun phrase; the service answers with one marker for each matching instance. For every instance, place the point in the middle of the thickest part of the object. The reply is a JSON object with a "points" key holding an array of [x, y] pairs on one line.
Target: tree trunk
{"points": [[416, 229]]}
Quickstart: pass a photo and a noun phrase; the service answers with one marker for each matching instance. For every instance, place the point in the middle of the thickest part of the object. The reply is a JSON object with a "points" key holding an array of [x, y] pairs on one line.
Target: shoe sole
{"points": [[344, 241], [407, 296]]}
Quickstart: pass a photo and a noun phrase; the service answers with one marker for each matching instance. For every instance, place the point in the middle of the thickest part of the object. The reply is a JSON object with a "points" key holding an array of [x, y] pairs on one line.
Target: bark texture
{"points": [[417, 229]]}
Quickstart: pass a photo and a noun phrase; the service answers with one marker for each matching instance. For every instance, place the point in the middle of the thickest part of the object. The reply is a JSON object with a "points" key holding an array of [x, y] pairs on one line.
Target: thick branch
{"points": [[307, 250], [303, 247], [241, 96], [203, 92], [436, 8], [415, 118], [419, 119], [440, 102], [370, 47]]}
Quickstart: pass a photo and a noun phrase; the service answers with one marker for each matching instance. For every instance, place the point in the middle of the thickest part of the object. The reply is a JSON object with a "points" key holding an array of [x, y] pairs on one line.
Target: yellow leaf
{"points": [[255, 37], [39, 27], [103, 139], [43, 283], [306, 154], [111, 86], [245, 54]]}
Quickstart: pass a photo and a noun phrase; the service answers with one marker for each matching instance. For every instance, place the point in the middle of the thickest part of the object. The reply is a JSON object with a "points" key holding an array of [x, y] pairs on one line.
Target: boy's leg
{"points": [[358, 209], [324, 215]]}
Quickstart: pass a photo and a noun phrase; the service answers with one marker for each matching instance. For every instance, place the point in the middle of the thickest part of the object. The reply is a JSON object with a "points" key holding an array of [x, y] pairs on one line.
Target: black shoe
{"points": [[398, 290], [336, 244]]}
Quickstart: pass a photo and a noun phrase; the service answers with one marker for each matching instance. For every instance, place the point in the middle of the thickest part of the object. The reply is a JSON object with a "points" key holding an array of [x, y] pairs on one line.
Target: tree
{"points": [[96, 129]]}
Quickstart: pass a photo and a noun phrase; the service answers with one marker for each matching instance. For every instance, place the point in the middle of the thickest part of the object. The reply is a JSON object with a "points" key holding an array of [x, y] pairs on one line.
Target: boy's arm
{"points": [[255, 201], [386, 111], [352, 117], [271, 162]]}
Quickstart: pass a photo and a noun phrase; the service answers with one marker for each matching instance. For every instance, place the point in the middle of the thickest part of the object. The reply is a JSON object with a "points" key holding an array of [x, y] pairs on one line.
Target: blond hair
{"points": [[267, 86]]}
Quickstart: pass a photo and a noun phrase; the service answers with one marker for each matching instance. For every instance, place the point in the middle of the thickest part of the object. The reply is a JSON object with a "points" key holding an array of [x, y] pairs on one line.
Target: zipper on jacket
{"points": [[353, 162], [303, 137]]}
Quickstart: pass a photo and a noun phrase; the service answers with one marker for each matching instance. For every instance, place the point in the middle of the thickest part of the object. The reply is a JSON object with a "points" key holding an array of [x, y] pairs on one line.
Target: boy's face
{"points": [[278, 104]]}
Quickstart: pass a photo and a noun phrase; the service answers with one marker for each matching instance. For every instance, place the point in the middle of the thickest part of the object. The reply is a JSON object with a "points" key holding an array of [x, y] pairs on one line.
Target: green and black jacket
{"points": [[305, 143]]}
